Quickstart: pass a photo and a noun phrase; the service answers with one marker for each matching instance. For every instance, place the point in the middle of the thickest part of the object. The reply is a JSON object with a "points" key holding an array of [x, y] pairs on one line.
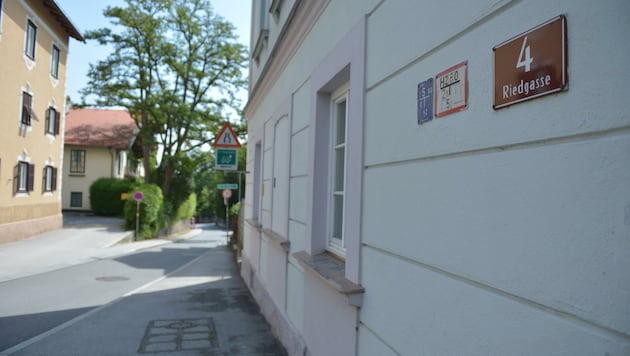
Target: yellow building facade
{"points": [[34, 38]]}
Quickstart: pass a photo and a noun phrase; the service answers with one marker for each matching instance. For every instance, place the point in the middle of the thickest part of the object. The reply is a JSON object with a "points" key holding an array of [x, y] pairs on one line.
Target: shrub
{"points": [[188, 208], [150, 210], [105, 196]]}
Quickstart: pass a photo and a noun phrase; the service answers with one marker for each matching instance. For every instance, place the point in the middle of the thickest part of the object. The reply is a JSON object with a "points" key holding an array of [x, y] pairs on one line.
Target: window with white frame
{"points": [[52, 121], [54, 65], [50, 179], [337, 159], [27, 108], [31, 39]]}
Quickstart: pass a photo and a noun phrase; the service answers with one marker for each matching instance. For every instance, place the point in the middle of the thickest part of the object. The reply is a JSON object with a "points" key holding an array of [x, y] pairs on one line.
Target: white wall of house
{"points": [[482, 232]]}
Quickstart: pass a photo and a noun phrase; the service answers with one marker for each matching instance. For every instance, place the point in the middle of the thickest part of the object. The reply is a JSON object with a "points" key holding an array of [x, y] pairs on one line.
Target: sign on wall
{"points": [[531, 64], [425, 101], [451, 90]]}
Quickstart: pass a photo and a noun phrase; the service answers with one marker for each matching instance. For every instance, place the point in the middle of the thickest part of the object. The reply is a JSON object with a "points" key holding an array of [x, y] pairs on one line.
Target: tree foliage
{"points": [[176, 67]]}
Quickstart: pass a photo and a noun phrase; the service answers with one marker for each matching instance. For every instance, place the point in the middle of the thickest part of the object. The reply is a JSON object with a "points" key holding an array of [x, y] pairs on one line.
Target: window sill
{"points": [[331, 270], [255, 224], [77, 174], [277, 239]]}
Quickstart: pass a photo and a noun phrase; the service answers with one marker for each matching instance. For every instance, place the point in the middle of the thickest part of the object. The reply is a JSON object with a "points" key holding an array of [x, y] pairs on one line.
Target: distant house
{"points": [[34, 40], [96, 145]]}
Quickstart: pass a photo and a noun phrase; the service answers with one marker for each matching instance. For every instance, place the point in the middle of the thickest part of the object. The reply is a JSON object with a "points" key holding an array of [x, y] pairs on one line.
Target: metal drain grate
{"points": [[112, 279], [179, 335]]}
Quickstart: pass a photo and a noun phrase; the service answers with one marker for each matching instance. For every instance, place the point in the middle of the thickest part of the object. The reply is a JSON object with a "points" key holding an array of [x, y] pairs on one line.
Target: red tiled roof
{"points": [[99, 128]]}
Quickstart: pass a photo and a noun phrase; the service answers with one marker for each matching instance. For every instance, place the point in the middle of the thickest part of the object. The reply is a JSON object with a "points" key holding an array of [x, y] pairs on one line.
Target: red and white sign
{"points": [[451, 90], [226, 193], [226, 137]]}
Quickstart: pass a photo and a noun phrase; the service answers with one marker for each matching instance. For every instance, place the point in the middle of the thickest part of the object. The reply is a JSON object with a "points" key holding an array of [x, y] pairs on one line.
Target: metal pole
{"points": [[227, 221], [137, 220]]}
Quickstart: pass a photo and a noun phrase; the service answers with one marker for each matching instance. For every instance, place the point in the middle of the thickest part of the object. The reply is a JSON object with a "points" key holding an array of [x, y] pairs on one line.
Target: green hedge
{"points": [[150, 210], [105, 196]]}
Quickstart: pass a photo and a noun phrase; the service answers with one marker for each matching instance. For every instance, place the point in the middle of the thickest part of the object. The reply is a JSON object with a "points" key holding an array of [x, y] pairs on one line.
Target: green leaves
{"points": [[176, 66]]}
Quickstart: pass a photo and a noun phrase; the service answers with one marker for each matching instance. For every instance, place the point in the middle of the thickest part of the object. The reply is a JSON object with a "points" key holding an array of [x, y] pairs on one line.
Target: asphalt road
{"points": [[33, 305]]}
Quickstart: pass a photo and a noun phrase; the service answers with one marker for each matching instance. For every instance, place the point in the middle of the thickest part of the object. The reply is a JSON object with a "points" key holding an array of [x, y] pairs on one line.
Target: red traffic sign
{"points": [[226, 137], [226, 193], [138, 196]]}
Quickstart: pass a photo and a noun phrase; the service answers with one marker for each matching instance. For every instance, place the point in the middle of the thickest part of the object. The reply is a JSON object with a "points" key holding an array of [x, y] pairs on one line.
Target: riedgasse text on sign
{"points": [[524, 87]]}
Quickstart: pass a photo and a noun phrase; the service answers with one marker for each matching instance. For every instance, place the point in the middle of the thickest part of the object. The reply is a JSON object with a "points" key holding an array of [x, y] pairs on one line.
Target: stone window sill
{"points": [[332, 272], [280, 241], [255, 224]]}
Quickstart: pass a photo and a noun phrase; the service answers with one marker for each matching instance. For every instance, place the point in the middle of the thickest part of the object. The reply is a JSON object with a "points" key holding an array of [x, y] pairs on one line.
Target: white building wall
{"points": [[496, 232], [482, 232]]}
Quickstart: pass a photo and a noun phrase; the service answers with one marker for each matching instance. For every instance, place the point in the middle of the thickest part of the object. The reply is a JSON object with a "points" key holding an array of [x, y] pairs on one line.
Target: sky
{"points": [[88, 15]]}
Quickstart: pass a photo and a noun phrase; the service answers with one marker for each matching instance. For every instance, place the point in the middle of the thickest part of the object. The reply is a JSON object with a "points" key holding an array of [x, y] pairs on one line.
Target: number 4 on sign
{"points": [[524, 59]]}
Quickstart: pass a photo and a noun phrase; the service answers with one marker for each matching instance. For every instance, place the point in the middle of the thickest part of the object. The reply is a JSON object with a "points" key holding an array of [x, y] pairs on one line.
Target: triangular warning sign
{"points": [[226, 138]]}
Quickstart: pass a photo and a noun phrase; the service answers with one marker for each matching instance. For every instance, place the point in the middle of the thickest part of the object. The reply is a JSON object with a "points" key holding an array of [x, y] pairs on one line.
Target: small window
{"points": [[27, 109], [339, 112], [50, 179], [77, 162], [31, 39], [24, 177], [54, 65], [76, 199], [52, 121]]}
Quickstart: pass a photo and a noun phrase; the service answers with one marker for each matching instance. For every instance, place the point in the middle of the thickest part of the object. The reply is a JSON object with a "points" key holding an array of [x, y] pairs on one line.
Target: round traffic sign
{"points": [[138, 196], [226, 193]]}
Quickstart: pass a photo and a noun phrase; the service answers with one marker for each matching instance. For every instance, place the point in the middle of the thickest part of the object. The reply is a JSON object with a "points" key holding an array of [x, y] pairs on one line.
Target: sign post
{"points": [[226, 144], [227, 194], [137, 196]]}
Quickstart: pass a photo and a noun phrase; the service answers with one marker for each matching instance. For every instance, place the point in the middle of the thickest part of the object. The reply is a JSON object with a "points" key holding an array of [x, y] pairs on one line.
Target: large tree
{"points": [[176, 66]]}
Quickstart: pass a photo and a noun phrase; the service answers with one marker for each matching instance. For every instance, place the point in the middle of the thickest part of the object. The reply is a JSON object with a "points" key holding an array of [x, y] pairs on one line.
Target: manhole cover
{"points": [[112, 279], [179, 335]]}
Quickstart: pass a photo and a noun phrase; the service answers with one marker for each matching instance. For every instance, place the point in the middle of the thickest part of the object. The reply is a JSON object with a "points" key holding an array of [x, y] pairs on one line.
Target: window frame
{"points": [[27, 109], [24, 177], [53, 118], [54, 61], [77, 164], [76, 197], [336, 244], [31, 39], [50, 179]]}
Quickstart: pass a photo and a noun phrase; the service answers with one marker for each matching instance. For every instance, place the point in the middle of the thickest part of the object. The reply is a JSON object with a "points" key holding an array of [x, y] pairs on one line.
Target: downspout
{"points": [[112, 163]]}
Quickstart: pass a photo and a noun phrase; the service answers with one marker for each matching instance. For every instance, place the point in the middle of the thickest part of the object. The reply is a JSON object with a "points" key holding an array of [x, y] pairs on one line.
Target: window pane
{"points": [[341, 122], [31, 36], [339, 169], [77, 161], [49, 176], [76, 199], [337, 217], [52, 114], [22, 176], [54, 68]]}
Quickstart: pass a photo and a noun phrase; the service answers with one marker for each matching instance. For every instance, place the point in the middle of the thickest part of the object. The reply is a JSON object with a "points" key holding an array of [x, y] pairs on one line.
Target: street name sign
{"points": [[232, 186], [531, 64]]}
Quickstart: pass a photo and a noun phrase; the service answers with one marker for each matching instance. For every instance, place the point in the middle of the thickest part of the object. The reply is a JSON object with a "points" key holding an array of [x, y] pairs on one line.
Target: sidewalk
{"points": [[203, 308]]}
